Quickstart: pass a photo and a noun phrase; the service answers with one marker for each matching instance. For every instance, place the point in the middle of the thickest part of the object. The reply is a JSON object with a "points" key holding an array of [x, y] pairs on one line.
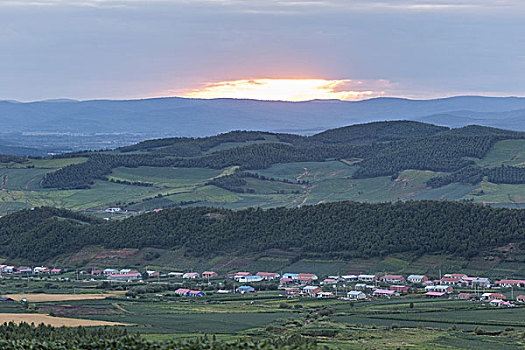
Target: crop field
{"points": [[506, 152], [166, 177], [43, 297], [54, 321]]}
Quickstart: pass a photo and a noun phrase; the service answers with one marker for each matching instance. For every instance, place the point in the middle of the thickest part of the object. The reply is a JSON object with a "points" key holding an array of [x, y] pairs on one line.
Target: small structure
{"points": [[191, 275], [329, 281], [417, 278], [312, 290], [367, 278], [520, 298], [325, 295], [110, 271], [309, 276], [384, 293], [399, 289], [392, 279], [56, 271], [439, 288], [436, 294], [248, 279], [355, 295], [175, 274], [510, 283], [123, 277], [292, 276], [245, 289], [195, 293], [349, 278], [492, 296], [464, 296], [182, 292], [268, 276], [210, 274]]}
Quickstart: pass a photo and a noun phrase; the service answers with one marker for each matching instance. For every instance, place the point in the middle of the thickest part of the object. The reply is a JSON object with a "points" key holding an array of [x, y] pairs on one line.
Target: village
{"points": [[354, 287]]}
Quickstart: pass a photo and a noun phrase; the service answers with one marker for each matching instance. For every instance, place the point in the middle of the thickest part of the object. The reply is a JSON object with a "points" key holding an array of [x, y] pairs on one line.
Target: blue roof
{"points": [[245, 288]]}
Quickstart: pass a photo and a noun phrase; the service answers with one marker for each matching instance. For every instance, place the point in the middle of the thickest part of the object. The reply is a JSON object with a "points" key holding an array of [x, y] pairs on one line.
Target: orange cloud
{"points": [[284, 90]]}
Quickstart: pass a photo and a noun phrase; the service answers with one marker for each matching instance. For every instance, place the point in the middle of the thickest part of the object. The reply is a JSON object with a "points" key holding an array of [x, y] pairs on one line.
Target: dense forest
{"points": [[337, 230], [474, 174], [383, 148]]}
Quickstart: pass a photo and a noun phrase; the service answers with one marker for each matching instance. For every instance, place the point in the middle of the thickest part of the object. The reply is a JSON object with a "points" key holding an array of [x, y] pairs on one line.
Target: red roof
{"points": [[435, 294], [510, 282], [123, 275], [498, 295], [267, 274], [399, 277], [306, 275], [521, 297], [450, 279], [194, 292], [243, 274]]}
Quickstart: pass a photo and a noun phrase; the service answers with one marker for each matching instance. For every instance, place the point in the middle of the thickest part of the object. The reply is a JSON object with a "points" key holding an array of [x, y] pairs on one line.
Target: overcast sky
{"points": [[131, 49]]}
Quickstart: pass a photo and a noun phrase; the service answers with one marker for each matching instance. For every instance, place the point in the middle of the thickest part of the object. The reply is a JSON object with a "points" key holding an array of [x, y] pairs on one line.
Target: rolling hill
{"points": [[374, 162]]}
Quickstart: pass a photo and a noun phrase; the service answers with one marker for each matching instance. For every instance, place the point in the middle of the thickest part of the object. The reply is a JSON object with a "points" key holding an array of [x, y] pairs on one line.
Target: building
{"points": [[310, 276], [435, 294], [355, 295], [245, 289], [349, 278], [399, 289], [268, 276], [291, 275], [384, 293], [392, 279], [510, 283], [182, 292], [175, 274], [191, 275], [492, 296], [248, 279], [286, 281], [123, 277], [210, 274], [312, 290], [520, 298], [417, 278], [367, 278], [325, 295], [110, 271], [464, 296], [153, 274], [41, 269], [439, 288], [329, 281], [56, 271], [451, 281], [195, 293], [125, 270]]}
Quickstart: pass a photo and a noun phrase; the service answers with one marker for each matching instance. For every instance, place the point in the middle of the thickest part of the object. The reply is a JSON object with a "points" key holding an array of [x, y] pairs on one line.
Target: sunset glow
{"points": [[284, 90]]}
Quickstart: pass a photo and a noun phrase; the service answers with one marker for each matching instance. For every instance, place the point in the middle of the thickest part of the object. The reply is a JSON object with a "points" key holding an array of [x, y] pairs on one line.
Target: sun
{"points": [[282, 90]]}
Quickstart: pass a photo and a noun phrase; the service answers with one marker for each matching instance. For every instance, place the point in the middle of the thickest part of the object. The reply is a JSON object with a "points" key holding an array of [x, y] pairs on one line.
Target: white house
{"points": [[367, 278], [355, 295]]}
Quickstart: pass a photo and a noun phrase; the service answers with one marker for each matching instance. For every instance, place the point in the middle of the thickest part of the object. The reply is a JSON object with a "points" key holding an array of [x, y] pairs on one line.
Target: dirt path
{"points": [[27, 183]]}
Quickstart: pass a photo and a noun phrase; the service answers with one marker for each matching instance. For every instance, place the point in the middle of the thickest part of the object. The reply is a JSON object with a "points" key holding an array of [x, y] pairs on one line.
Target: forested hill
{"points": [[377, 149], [333, 230]]}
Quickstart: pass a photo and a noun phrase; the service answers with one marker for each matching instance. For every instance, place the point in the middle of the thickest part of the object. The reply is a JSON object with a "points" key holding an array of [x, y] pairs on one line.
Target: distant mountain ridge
{"points": [[175, 116]]}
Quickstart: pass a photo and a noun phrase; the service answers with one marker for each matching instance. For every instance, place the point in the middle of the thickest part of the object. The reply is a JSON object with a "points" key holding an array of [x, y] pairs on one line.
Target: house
{"points": [[349, 278], [292, 291], [477, 282], [307, 276], [210, 274], [286, 281], [291, 275], [151, 273], [392, 279], [113, 210], [175, 274], [451, 281], [464, 296], [97, 272], [123, 277], [241, 273], [304, 280], [439, 288], [367, 278], [435, 294], [195, 293], [191, 275], [110, 271], [224, 291], [492, 296], [182, 292], [312, 290], [520, 298], [360, 286], [355, 295], [399, 289], [56, 271], [499, 302], [329, 281], [25, 270], [245, 289], [125, 271], [41, 269], [510, 283], [268, 276], [417, 278], [384, 293], [248, 279], [325, 295]]}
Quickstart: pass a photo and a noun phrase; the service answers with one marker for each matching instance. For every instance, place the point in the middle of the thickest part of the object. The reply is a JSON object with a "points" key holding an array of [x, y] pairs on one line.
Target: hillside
{"points": [[380, 161], [341, 230]]}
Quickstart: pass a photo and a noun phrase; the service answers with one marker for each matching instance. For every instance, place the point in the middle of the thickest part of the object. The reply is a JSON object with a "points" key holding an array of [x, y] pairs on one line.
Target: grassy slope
{"points": [[326, 181]]}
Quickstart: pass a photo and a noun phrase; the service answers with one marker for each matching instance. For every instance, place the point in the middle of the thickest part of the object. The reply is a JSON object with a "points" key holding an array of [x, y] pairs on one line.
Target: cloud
{"points": [[288, 89]]}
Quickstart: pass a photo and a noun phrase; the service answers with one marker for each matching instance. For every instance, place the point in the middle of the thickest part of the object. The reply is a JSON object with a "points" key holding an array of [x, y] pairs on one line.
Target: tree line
{"points": [[331, 230]]}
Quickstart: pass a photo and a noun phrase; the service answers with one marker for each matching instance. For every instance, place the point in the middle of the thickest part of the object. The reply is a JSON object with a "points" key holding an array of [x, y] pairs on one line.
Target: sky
{"points": [[264, 49]]}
